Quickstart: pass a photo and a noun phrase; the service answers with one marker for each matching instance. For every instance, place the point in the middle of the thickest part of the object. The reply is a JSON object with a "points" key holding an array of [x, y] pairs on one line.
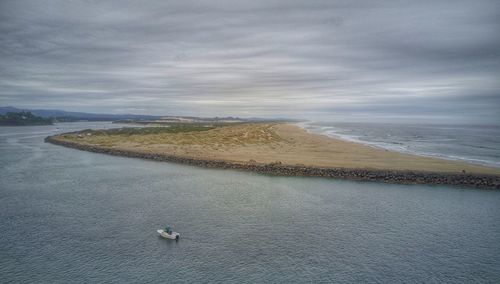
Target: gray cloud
{"points": [[307, 59]]}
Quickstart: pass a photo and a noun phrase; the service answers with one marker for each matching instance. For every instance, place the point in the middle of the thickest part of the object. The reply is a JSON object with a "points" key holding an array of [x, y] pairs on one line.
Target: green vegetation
{"points": [[180, 128], [23, 118], [182, 134]]}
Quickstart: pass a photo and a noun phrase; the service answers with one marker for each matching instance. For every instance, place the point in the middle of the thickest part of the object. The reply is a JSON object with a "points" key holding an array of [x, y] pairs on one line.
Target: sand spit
{"points": [[284, 150]]}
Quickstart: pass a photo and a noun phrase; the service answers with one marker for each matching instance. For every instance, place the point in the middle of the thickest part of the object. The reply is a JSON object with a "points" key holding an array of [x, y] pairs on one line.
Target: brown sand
{"points": [[267, 143]]}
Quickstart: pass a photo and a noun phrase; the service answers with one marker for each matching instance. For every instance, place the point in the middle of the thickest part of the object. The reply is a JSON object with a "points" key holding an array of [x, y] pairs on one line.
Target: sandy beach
{"points": [[270, 143], [287, 148]]}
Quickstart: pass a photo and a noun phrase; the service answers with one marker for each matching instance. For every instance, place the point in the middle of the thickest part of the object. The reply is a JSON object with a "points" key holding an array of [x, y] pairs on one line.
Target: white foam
{"points": [[401, 147]]}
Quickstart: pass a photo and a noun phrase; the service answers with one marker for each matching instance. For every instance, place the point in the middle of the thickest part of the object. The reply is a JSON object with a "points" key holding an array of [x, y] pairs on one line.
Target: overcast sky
{"points": [[349, 60]]}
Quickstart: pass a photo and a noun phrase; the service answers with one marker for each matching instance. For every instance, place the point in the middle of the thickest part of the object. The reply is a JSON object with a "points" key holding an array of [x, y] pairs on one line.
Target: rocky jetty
{"points": [[387, 176]]}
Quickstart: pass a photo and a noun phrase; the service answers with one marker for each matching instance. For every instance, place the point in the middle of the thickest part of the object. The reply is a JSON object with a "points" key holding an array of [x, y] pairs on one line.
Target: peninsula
{"points": [[279, 149]]}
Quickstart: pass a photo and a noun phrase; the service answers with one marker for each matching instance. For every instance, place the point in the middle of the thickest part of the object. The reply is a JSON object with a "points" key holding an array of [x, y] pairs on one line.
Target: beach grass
{"points": [[263, 143], [184, 134]]}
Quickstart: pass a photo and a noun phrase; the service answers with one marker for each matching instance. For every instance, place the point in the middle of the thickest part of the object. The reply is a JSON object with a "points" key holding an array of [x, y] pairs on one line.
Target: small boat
{"points": [[167, 233]]}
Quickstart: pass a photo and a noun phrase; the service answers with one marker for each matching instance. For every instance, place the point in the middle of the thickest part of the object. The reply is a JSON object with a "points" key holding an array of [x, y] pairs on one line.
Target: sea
{"points": [[477, 144], [70, 216]]}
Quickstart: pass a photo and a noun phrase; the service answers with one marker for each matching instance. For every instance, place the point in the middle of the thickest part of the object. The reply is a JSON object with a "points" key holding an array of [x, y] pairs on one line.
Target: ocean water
{"points": [[479, 144], [70, 216]]}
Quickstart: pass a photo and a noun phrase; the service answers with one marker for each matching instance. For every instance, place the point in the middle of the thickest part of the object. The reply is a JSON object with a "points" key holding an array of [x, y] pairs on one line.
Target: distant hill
{"points": [[68, 116], [23, 118]]}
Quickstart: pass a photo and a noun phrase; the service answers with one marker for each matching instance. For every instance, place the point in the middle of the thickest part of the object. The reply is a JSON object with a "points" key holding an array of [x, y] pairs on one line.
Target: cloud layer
{"points": [[310, 59]]}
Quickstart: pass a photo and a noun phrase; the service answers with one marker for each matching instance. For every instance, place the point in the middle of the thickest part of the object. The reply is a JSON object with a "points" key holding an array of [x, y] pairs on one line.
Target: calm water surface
{"points": [[74, 216]]}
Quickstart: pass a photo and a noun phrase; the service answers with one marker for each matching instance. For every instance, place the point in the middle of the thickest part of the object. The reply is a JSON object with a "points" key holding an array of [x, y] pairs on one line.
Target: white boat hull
{"points": [[173, 236]]}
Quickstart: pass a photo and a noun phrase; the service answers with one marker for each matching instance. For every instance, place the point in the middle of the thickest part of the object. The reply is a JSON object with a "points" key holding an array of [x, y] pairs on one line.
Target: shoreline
{"points": [[457, 159], [484, 181]]}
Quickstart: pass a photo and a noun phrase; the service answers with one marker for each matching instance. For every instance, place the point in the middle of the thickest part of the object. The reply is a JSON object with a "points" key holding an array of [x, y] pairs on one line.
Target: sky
{"points": [[392, 61]]}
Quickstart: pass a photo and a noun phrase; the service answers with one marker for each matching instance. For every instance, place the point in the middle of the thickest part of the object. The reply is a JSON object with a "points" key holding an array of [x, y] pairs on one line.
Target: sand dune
{"points": [[264, 143]]}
